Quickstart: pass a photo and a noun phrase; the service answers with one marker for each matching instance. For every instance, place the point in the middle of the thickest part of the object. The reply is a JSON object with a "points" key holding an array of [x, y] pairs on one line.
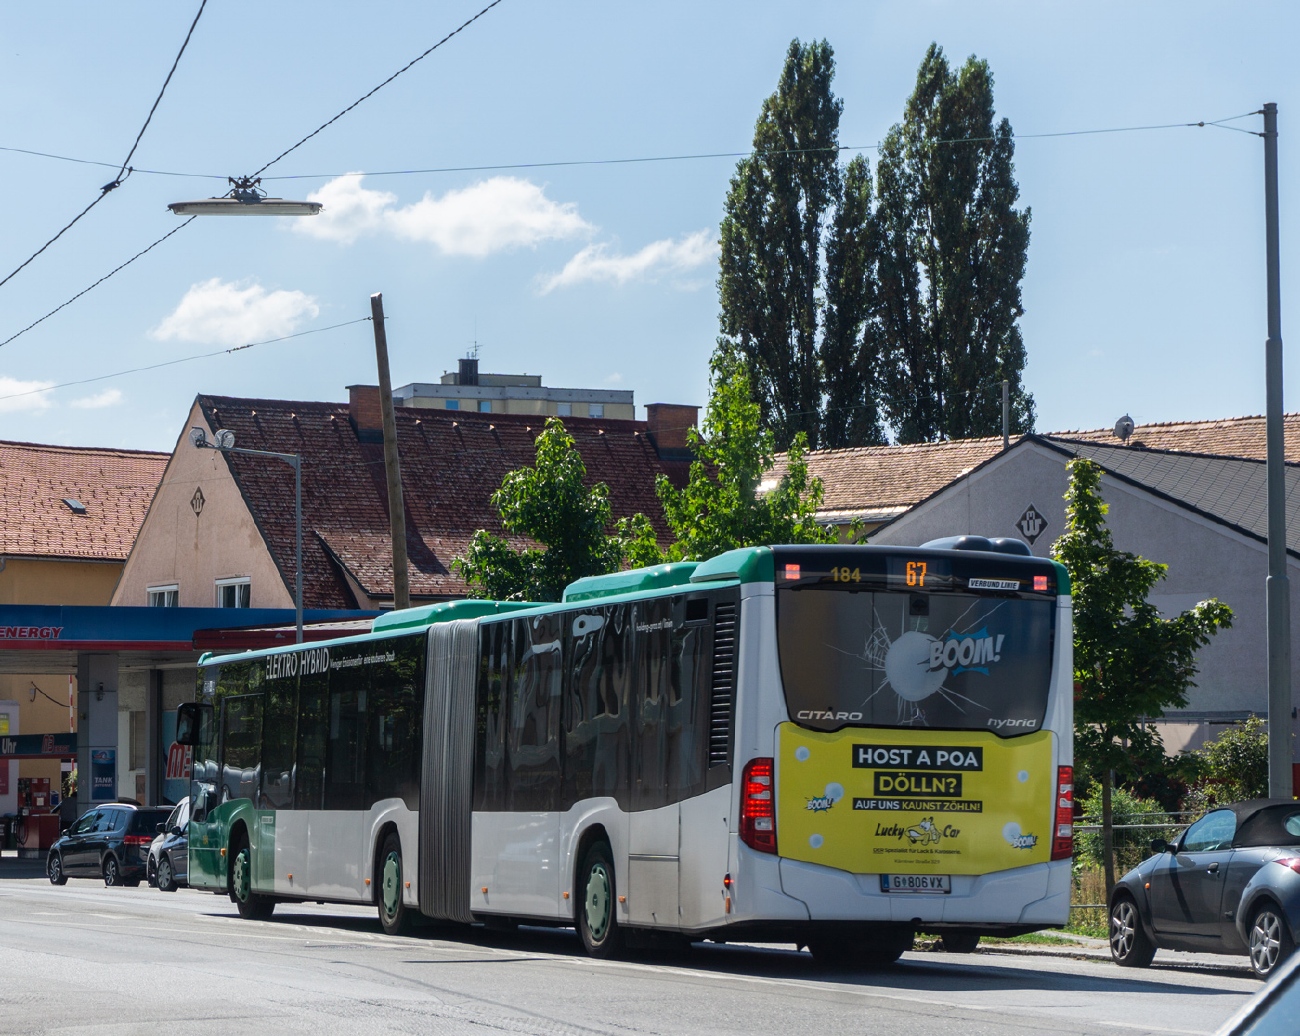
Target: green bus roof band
{"points": [[748, 564], [632, 581], [1062, 579], [445, 611]]}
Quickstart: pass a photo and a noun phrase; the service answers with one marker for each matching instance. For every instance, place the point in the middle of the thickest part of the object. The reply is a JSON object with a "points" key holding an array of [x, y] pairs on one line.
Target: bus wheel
{"points": [[597, 908], [250, 905], [960, 942], [393, 914]]}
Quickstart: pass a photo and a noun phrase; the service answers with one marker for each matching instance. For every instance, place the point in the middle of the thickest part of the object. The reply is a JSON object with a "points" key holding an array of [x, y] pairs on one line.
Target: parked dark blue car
{"points": [[1230, 883]]}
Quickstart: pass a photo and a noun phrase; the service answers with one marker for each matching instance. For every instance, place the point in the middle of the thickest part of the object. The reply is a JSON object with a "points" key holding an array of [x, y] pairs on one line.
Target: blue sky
{"points": [[1144, 292]]}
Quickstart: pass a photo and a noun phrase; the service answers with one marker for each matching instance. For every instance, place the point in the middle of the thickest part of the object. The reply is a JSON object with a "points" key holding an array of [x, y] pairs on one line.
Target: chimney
{"points": [[365, 413], [468, 371], [667, 424]]}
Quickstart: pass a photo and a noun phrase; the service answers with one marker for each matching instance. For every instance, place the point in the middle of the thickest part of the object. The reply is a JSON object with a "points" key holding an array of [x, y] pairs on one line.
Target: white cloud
{"points": [[492, 215], [235, 313], [597, 263], [109, 397], [18, 395]]}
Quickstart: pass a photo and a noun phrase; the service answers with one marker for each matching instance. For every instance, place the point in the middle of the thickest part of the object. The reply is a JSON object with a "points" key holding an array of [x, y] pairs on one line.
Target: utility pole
{"points": [[1280, 780], [392, 467]]}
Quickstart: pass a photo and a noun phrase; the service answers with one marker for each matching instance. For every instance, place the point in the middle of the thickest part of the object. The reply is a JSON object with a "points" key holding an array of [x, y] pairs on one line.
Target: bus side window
{"points": [[348, 690], [394, 720], [654, 643], [277, 743], [600, 675], [313, 728], [687, 720], [241, 747], [489, 758], [534, 714]]}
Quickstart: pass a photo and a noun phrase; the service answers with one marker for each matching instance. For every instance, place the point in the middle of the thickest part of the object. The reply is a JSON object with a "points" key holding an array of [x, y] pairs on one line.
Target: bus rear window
{"points": [[949, 661]]}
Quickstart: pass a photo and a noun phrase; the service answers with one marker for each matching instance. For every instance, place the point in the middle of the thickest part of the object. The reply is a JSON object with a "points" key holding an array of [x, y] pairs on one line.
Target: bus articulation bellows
{"points": [[835, 746]]}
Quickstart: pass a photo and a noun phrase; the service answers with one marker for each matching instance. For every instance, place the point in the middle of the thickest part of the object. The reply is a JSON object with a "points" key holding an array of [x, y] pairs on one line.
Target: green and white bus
{"points": [[834, 746]]}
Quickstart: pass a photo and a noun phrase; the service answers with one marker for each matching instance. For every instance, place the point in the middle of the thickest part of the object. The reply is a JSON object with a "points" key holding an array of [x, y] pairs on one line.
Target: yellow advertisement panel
{"points": [[880, 801]]}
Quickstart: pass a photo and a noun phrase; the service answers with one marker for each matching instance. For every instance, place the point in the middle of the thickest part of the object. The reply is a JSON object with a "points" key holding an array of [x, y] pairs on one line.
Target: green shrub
{"points": [[1233, 767], [1132, 844]]}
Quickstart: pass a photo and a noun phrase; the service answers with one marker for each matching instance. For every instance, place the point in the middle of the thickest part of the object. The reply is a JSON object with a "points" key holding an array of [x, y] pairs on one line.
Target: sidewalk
{"points": [[1083, 947]]}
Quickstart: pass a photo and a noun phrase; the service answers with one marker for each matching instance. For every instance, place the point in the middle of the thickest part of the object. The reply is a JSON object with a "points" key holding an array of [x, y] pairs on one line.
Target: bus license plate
{"points": [[915, 883]]}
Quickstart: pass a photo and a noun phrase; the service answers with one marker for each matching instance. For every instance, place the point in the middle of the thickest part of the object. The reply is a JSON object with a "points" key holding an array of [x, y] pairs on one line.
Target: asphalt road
{"points": [[84, 958]]}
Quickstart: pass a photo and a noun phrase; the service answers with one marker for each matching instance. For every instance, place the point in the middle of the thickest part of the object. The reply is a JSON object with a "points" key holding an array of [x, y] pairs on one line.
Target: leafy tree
{"points": [[951, 253], [1130, 664], [1233, 767], [549, 504], [731, 498], [795, 274]]}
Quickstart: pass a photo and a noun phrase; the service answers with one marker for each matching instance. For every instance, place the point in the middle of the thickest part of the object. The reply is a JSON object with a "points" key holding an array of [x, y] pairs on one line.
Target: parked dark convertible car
{"points": [[1230, 883]]}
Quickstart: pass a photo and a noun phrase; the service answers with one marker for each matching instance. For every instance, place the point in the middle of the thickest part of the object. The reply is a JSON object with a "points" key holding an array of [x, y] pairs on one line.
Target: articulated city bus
{"points": [[834, 746]]}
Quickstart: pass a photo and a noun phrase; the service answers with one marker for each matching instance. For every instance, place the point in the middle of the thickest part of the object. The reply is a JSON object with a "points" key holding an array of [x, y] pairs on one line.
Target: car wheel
{"points": [[1130, 947], [598, 906], [112, 872], [393, 914], [960, 942], [877, 947], [1270, 941], [251, 906], [166, 880], [54, 870]]}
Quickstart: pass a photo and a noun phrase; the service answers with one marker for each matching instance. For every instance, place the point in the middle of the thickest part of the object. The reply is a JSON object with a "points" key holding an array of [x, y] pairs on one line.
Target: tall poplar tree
{"points": [[795, 267], [952, 248]]}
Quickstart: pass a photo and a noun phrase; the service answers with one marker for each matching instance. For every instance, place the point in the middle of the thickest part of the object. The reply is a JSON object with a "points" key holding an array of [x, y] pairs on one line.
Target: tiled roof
{"points": [[451, 463], [1232, 490], [115, 486], [878, 482]]}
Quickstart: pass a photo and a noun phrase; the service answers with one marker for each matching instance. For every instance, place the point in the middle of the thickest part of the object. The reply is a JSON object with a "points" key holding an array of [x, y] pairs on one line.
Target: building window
{"points": [[233, 593], [164, 596], [596, 410], [485, 406], [138, 744], [563, 409], [453, 404]]}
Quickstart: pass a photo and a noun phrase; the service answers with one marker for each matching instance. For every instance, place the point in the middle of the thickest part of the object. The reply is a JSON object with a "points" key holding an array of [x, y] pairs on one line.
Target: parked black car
{"points": [[1230, 883], [109, 841], [169, 851]]}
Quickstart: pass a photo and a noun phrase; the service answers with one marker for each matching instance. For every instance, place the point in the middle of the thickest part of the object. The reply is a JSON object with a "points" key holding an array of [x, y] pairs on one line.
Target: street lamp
{"points": [[225, 442], [246, 198]]}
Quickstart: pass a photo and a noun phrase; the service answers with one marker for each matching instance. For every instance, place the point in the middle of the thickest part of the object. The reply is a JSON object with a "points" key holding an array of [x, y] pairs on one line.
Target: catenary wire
{"points": [[1200, 124], [125, 169], [454, 32], [180, 359], [122, 266], [117, 182]]}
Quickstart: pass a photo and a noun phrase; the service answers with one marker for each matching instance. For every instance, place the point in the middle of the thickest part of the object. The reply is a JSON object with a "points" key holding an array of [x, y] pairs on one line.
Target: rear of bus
{"points": [[904, 742]]}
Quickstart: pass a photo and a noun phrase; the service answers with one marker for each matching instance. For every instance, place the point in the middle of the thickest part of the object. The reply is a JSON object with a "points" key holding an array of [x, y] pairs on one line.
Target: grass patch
{"points": [[1032, 939]]}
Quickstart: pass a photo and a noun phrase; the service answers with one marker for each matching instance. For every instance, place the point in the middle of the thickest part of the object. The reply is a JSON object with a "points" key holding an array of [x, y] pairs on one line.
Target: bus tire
{"points": [[1130, 946], [598, 904], [960, 942], [394, 916], [251, 906]]}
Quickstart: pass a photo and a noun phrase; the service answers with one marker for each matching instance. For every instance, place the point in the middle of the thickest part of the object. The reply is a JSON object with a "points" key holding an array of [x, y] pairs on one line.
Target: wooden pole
{"points": [[392, 467]]}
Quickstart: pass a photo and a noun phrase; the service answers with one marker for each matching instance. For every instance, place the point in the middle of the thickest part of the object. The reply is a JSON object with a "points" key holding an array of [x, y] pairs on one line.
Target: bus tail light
{"points": [[1063, 829], [757, 806]]}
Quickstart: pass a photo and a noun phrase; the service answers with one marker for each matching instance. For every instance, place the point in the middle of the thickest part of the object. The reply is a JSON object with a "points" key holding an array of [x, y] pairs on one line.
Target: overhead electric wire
{"points": [[181, 359], [101, 280], [1200, 124], [454, 32], [117, 182], [125, 169]]}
